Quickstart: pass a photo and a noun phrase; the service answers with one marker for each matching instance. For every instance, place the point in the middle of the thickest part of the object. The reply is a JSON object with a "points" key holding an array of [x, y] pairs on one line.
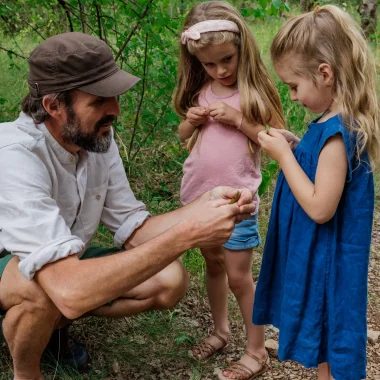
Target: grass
{"points": [[151, 345]]}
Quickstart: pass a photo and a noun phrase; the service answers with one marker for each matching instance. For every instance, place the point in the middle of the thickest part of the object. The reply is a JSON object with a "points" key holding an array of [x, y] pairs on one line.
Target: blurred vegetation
{"points": [[143, 35]]}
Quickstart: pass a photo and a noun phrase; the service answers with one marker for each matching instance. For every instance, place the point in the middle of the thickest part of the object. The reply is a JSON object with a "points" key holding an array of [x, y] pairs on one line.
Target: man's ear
{"points": [[53, 107], [327, 74]]}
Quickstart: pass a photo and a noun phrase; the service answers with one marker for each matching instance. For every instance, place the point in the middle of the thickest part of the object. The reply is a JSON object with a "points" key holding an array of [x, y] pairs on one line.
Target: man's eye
{"points": [[294, 88], [99, 100]]}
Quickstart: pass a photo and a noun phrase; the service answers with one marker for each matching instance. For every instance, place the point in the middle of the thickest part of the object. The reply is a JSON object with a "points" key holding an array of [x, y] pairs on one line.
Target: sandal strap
{"points": [[224, 342], [240, 369], [262, 362], [204, 349]]}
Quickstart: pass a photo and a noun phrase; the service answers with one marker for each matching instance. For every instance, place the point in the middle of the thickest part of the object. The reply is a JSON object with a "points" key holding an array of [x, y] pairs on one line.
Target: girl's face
{"points": [[220, 62], [316, 97]]}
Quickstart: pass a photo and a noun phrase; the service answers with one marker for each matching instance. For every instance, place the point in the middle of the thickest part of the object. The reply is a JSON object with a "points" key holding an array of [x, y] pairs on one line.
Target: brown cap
{"points": [[76, 60]]}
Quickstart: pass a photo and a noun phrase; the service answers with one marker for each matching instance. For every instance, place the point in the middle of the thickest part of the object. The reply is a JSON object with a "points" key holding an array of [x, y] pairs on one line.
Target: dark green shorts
{"points": [[90, 253]]}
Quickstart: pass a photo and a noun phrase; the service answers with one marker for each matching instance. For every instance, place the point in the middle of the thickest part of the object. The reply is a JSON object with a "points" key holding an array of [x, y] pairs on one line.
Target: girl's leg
{"points": [[217, 291], [324, 372], [238, 266]]}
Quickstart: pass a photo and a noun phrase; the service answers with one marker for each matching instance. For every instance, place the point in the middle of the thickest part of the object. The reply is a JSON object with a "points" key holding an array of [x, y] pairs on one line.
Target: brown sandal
{"points": [[206, 350], [243, 372]]}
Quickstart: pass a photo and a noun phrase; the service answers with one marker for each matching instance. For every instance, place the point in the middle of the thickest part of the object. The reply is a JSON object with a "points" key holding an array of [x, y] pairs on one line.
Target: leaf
{"points": [[264, 182], [235, 198], [184, 338], [263, 3], [277, 4]]}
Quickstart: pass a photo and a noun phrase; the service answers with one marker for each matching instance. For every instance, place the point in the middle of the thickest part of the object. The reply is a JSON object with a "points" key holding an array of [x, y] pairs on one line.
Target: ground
{"points": [[155, 345]]}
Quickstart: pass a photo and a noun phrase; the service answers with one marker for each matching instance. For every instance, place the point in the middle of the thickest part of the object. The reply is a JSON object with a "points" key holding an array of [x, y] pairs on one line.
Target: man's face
{"points": [[88, 123]]}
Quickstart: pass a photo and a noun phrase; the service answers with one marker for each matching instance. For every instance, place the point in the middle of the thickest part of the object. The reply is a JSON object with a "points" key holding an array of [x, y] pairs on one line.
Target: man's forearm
{"points": [[156, 225], [78, 286]]}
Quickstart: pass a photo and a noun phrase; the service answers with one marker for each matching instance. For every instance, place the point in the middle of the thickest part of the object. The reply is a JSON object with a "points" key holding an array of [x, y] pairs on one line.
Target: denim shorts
{"points": [[245, 235]]}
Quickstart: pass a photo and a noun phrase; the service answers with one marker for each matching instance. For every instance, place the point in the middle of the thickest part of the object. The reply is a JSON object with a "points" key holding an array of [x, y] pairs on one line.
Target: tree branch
{"points": [[133, 30], [64, 6], [153, 127], [81, 16], [13, 53], [26, 22], [99, 21], [9, 26], [142, 95]]}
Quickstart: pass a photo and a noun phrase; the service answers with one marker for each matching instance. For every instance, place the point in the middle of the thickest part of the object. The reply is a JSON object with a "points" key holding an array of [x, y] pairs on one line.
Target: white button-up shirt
{"points": [[51, 201]]}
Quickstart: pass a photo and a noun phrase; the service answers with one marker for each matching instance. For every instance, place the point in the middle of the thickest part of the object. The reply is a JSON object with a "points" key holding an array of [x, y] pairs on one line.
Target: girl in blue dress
{"points": [[313, 279]]}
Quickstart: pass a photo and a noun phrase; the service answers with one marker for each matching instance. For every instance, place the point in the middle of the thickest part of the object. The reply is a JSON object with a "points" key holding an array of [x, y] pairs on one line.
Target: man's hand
{"points": [[246, 207], [224, 113], [197, 116], [211, 224], [274, 144], [213, 220]]}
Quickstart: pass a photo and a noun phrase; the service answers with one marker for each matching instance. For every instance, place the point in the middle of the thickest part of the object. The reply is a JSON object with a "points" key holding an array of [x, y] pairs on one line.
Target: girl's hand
{"points": [[291, 138], [274, 144], [222, 112], [197, 116]]}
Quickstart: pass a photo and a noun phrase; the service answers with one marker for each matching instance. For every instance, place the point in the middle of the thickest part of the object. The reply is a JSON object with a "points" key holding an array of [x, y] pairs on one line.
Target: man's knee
{"points": [[173, 285], [20, 297]]}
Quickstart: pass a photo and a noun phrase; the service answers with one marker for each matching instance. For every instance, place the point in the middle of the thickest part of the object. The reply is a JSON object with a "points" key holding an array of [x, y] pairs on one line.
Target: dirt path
{"points": [[294, 371]]}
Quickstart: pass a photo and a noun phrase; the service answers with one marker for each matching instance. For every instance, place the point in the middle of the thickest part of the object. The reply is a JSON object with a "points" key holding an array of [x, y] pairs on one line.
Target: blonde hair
{"points": [[259, 99], [329, 35]]}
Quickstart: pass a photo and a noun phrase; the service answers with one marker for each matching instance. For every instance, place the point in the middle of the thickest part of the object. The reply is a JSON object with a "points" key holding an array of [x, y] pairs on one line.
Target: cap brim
{"points": [[114, 85]]}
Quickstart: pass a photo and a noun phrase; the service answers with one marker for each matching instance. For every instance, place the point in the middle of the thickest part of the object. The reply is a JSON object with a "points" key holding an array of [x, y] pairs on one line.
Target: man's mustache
{"points": [[104, 120]]}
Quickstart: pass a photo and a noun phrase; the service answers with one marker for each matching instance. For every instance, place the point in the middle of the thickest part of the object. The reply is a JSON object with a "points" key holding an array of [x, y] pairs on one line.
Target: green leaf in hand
{"points": [[235, 198]]}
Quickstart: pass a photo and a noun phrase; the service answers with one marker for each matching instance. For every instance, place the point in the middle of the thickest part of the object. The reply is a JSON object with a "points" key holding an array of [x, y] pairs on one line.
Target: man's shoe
{"points": [[66, 350]]}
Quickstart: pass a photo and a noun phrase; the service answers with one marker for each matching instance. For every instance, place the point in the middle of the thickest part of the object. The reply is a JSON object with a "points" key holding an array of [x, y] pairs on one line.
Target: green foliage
{"points": [[153, 160], [267, 174], [264, 8]]}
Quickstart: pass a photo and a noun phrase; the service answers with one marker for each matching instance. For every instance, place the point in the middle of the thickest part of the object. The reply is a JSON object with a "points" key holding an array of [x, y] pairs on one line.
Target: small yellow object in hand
{"points": [[267, 128], [235, 198]]}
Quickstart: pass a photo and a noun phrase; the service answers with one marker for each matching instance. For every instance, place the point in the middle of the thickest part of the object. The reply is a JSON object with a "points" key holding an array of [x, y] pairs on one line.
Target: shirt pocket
{"points": [[92, 208]]}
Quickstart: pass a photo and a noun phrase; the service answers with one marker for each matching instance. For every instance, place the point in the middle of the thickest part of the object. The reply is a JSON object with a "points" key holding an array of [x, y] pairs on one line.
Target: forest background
{"points": [[143, 36]]}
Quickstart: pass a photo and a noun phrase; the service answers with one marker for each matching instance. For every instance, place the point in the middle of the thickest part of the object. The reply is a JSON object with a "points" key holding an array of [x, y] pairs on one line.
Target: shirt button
{"points": [[98, 197]]}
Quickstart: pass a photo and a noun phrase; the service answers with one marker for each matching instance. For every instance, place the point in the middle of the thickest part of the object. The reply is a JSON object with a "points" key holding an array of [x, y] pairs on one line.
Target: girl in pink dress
{"points": [[225, 96]]}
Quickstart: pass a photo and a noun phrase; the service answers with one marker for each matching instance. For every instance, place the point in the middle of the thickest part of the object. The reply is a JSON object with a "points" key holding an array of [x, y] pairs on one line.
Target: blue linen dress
{"points": [[313, 279]]}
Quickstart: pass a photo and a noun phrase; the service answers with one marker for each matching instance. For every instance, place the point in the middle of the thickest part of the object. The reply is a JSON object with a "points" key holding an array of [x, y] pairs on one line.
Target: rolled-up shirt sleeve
{"points": [[31, 226], [122, 212]]}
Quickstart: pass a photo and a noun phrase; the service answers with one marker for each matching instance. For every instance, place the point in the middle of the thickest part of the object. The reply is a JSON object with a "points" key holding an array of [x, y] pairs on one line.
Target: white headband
{"points": [[194, 32]]}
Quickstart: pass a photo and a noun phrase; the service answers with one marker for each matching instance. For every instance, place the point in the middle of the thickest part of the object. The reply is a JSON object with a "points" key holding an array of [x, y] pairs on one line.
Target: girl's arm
{"points": [[320, 199], [195, 117], [185, 130], [229, 115], [251, 130]]}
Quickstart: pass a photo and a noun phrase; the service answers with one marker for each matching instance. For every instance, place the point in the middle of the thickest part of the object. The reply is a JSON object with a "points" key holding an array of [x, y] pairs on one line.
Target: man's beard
{"points": [[91, 141]]}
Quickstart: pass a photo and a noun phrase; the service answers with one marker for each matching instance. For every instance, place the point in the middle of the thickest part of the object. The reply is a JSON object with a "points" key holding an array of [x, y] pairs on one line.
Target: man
{"points": [[61, 175]]}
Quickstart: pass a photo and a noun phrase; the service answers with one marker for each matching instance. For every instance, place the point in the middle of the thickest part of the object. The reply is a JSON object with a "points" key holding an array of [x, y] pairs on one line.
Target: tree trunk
{"points": [[307, 5], [367, 11]]}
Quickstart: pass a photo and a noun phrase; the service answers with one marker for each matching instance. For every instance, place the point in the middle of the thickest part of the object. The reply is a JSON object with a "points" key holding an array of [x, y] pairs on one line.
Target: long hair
{"points": [[329, 35], [259, 99]]}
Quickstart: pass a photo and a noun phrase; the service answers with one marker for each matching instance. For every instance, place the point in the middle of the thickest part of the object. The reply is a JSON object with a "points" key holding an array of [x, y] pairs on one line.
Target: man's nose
{"points": [[113, 106]]}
